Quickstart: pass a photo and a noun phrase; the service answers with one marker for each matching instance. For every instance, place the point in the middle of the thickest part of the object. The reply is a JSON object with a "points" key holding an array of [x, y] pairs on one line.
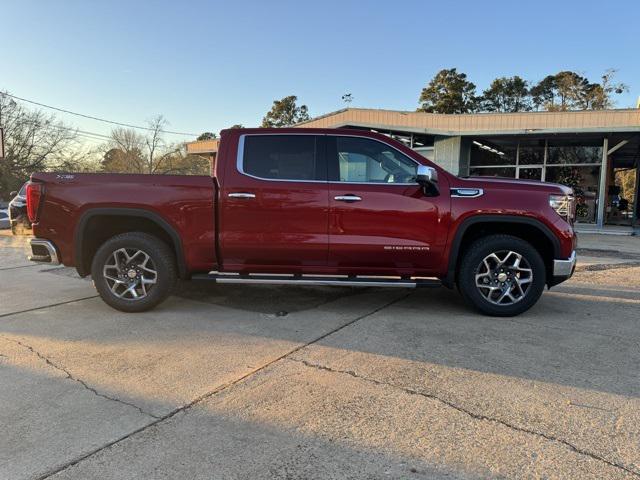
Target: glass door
{"points": [[621, 197]]}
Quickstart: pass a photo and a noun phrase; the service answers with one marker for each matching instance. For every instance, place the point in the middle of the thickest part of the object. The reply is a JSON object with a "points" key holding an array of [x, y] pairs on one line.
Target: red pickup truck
{"points": [[308, 207]]}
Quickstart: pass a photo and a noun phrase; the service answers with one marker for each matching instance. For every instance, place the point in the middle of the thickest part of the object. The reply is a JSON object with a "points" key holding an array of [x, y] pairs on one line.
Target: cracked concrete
{"points": [[355, 429], [474, 415], [349, 384], [205, 396], [81, 382], [45, 417]]}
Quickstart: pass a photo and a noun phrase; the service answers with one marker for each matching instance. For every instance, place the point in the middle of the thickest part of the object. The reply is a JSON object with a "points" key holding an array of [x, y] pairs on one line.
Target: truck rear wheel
{"points": [[134, 271], [501, 275]]}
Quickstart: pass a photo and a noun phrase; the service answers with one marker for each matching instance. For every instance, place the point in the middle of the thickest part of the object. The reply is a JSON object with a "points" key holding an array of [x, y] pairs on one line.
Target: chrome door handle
{"points": [[347, 198], [241, 195]]}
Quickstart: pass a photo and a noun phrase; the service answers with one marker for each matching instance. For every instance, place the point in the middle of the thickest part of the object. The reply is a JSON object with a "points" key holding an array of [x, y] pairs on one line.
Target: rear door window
{"points": [[283, 157]]}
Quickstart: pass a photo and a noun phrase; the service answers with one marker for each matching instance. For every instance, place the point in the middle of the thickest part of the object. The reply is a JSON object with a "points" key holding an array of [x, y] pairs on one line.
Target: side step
{"points": [[342, 281]]}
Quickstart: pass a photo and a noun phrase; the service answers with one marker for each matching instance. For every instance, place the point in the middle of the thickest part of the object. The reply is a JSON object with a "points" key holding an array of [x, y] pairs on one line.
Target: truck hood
{"points": [[490, 183]]}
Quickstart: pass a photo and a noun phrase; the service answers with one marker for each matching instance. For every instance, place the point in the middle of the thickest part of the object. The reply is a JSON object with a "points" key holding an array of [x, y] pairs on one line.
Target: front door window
{"points": [[361, 160]]}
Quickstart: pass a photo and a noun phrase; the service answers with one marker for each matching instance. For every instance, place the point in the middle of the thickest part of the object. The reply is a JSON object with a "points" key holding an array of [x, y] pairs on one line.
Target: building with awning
{"points": [[597, 152]]}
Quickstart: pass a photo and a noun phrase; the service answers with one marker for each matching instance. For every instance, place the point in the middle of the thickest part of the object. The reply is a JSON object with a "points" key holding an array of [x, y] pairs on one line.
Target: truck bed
{"points": [[185, 203]]}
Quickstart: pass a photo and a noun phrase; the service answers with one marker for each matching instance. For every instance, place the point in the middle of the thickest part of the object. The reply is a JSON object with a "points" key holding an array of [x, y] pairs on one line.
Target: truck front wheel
{"points": [[501, 275], [134, 271]]}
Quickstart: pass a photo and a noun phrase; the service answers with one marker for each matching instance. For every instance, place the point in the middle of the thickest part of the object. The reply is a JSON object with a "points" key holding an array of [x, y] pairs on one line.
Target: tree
{"points": [[236, 125], [562, 91], [543, 93], [184, 164], [600, 95], [448, 92], [33, 141], [568, 90], [157, 150], [285, 113], [130, 152], [81, 159], [124, 152], [506, 94], [207, 136]]}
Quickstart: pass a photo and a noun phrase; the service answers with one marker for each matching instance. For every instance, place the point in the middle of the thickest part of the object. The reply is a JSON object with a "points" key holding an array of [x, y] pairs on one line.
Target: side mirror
{"points": [[427, 177], [13, 194]]}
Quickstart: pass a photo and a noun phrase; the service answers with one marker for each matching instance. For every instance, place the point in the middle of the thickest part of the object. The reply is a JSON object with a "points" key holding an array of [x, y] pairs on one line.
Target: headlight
{"points": [[564, 205]]}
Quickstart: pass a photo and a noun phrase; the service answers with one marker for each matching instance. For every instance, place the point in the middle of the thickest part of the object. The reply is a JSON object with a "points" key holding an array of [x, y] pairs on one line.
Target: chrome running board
{"points": [[341, 281]]}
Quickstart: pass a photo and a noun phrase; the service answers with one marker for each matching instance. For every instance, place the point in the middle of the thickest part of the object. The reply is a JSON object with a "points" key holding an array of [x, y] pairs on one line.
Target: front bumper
{"points": [[565, 268], [44, 251], [562, 270]]}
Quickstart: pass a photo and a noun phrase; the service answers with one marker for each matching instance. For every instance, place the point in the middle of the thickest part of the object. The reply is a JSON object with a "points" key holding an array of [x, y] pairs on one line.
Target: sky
{"points": [[206, 65]]}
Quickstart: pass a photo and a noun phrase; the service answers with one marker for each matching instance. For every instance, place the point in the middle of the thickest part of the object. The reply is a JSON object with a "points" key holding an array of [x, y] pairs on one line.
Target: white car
{"points": [[4, 219]]}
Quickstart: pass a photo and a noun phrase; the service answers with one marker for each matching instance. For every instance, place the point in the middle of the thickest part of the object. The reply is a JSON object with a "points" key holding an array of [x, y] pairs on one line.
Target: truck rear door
{"points": [[274, 204]]}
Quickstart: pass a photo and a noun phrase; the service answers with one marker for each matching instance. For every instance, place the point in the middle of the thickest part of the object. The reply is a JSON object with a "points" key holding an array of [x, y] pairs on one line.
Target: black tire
{"points": [[161, 258], [472, 264]]}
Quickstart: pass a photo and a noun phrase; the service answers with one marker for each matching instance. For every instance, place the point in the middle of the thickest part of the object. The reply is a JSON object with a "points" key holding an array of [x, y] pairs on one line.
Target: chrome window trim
{"points": [[479, 192], [240, 159], [374, 183]]}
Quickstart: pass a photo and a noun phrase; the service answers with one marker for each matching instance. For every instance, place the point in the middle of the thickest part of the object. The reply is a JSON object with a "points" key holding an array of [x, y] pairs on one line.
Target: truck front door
{"points": [[274, 204], [380, 221]]}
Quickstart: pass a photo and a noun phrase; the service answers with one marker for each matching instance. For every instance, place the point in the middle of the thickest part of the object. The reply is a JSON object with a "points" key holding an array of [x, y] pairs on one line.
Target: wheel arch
{"points": [[523, 227], [122, 220]]}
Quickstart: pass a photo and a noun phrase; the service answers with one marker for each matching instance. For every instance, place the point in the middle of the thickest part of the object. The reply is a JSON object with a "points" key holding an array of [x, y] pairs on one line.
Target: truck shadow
{"points": [[275, 299]]}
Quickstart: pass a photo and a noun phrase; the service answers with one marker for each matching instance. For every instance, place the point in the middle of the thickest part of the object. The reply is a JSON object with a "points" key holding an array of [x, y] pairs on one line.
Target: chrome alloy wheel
{"points": [[504, 277], [130, 273]]}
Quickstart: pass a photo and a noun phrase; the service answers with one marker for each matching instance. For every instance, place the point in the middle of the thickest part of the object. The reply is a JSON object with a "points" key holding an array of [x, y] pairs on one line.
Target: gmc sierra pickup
{"points": [[307, 207]]}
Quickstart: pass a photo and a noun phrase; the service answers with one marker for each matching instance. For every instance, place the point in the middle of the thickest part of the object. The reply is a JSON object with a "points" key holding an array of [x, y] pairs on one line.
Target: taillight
{"points": [[34, 195]]}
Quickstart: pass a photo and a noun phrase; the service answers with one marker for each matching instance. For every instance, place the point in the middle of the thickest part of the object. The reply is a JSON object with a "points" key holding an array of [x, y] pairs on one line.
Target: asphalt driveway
{"points": [[283, 382]]}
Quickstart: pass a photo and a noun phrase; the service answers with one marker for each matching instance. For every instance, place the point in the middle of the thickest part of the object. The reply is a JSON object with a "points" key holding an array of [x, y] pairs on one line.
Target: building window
{"points": [[572, 152], [506, 172], [584, 181], [531, 152], [530, 173], [570, 161], [486, 153]]}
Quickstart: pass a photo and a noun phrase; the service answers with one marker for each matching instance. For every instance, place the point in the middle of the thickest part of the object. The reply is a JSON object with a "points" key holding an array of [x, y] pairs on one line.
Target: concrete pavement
{"points": [[281, 382]]}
